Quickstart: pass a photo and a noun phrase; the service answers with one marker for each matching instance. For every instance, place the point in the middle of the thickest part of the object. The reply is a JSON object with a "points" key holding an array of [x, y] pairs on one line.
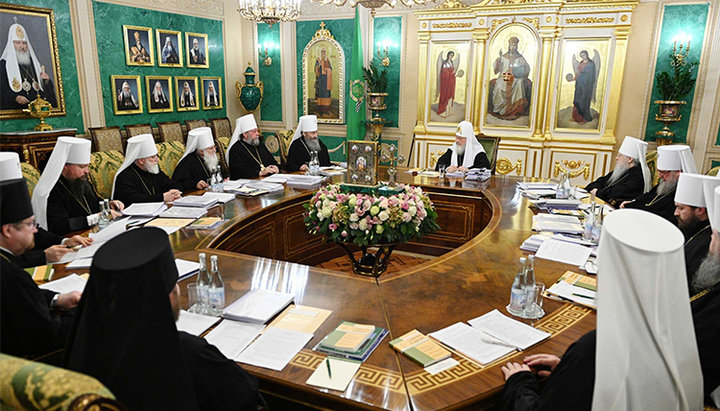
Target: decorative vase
{"points": [[668, 113], [376, 103], [40, 108], [250, 94], [370, 264]]}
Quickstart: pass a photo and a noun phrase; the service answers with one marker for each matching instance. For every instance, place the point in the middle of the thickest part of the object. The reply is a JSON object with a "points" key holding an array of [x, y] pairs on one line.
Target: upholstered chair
{"points": [[106, 138], [170, 154], [171, 131], [103, 166], [31, 176], [191, 124]]}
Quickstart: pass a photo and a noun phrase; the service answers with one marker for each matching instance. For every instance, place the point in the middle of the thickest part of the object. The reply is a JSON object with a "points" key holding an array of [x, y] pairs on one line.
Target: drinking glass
{"points": [[441, 171], [194, 303], [534, 301]]}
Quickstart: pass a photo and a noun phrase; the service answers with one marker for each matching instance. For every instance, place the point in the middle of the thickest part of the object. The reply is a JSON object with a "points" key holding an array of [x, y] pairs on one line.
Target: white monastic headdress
{"points": [[242, 125], [692, 188], [10, 166], [646, 351], [140, 146], [305, 123], [67, 150], [637, 149], [198, 139], [676, 157], [15, 80], [472, 145]]}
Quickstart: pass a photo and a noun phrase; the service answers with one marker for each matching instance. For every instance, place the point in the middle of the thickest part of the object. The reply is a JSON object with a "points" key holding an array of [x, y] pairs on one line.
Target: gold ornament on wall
{"points": [[504, 166], [535, 21], [573, 168]]}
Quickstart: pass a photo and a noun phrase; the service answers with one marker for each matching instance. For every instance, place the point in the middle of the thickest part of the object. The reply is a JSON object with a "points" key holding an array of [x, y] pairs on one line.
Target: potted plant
{"points": [[673, 86], [376, 81]]}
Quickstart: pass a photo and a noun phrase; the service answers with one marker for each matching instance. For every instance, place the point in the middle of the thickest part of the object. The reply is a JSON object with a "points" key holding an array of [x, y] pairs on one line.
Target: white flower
{"points": [[383, 215], [379, 229], [363, 224], [327, 212], [412, 210], [354, 217]]}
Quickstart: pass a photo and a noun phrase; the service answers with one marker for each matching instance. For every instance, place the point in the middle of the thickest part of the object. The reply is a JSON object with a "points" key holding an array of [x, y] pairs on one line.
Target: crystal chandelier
{"points": [[269, 11]]}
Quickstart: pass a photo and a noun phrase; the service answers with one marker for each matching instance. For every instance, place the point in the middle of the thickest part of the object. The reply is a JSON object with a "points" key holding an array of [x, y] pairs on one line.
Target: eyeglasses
{"points": [[31, 224]]}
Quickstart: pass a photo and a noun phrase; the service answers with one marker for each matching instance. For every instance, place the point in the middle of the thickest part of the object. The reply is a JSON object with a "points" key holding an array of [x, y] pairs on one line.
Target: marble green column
{"points": [[388, 31], [272, 104]]}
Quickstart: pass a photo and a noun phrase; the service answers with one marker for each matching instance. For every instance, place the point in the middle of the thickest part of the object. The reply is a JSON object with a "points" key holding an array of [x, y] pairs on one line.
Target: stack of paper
{"points": [[145, 209], [473, 343], [535, 186], [194, 324], [274, 348], [332, 171], [231, 337], [276, 179], [478, 174], [195, 201], [219, 197], [265, 186], [302, 181], [569, 204], [564, 252], [419, 348], [248, 191], [257, 306], [234, 184], [539, 192], [73, 282], [507, 330], [557, 223], [183, 212], [533, 242], [574, 287]]}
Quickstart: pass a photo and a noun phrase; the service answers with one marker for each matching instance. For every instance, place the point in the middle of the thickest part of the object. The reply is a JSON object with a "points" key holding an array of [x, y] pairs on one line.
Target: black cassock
{"points": [[26, 326], [299, 154], [189, 171], [220, 384], [662, 205], [706, 319], [569, 386], [697, 241], [627, 187], [244, 160], [481, 160], [36, 256], [135, 185], [67, 212]]}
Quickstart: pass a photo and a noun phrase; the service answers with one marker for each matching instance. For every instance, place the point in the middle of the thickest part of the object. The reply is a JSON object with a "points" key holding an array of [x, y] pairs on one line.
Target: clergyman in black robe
{"points": [[249, 161], [135, 185], [69, 205], [299, 154], [481, 160], [660, 200], [162, 369], [695, 226], [628, 186]]}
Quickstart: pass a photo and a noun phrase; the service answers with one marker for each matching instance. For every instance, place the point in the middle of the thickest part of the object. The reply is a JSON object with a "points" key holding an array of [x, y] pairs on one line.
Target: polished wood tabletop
{"points": [[263, 244]]}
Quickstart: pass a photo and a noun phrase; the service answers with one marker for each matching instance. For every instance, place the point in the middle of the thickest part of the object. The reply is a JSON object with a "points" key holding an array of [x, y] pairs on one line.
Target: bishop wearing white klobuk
{"points": [[466, 152], [304, 142], [630, 177], [246, 156], [199, 162], [139, 178], [672, 160]]}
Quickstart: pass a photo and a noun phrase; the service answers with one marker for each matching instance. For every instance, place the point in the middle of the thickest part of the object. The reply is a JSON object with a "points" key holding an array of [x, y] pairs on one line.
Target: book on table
{"points": [[257, 306], [206, 223], [350, 340], [420, 348], [196, 201]]}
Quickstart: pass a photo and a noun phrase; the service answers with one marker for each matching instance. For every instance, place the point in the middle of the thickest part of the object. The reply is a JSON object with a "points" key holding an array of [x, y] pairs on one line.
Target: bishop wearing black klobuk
{"points": [[672, 160], [630, 177], [139, 178], [303, 143], [465, 153], [125, 334], [63, 199], [28, 327], [644, 342], [246, 156], [196, 166]]}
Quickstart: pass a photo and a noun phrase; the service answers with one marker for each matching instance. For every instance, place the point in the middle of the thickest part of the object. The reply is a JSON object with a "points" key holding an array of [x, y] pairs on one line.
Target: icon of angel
{"points": [[585, 78], [447, 71]]}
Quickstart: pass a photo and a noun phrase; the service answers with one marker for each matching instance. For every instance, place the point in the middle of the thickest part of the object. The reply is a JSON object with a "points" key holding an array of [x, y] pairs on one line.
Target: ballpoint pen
{"points": [[327, 362]]}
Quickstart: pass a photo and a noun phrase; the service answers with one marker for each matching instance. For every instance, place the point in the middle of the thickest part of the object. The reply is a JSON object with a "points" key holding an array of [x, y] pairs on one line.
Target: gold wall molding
{"points": [[496, 23], [504, 166], [535, 21], [589, 20], [452, 4], [452, 25], [574, 168], [215, 8]]}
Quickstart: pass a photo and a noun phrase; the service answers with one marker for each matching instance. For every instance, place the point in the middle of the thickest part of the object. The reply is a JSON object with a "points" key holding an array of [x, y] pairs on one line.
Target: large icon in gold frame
{"points": [[323, 68], [448, 82], [581, 91], [512, 65]]}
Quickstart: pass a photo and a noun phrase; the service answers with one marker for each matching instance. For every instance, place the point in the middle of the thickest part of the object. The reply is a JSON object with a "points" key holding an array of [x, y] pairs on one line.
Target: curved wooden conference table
{"points": [[265, 245]]}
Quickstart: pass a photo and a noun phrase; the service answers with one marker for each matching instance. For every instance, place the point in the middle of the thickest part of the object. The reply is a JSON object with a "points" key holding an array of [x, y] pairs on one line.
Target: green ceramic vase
{"points": [[250, 93]]}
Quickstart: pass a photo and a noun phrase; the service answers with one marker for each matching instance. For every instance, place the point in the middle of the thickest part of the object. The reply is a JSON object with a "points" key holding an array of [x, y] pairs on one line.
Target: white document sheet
{"points": [[233, 184], [441, 366], [275, 178], [186, 268], [574, 293], [220, 197], [113, 229], [145, 209], [274, 348], [195, 201], [563, 252], [73, 282], [231, 337], [472, 343], [80, 263], [194, 324], [85, 252], [183, 212], [257, 306], [506, 329], [339, 375]]}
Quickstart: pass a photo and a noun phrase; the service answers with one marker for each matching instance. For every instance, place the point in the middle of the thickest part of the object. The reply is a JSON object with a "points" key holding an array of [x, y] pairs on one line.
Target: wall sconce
{"points": [[383, 51], [267, 60], [680, 53]]}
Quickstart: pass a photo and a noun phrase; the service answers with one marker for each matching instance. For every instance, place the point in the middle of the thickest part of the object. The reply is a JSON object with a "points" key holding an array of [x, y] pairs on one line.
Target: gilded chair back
{"points": [[191, 124], [220, 150], [283, 138], [169, 154], [137, 129], [29, 385], [651, 160], [713, 171], [171, 131], [224, 142], [221, 128], [490, 144], [106, 138], [31, 176], [103, 166]]}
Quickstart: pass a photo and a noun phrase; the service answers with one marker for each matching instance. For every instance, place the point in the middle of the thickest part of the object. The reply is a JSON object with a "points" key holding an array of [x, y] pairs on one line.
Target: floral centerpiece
{"points": [[370, 219]]}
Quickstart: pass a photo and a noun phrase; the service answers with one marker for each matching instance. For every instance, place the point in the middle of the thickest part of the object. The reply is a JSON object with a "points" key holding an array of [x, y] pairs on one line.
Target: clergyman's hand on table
{"points": [[78, 240], [171, 195], [544, 363], [512, 368], [68, 300], [55, 253]]}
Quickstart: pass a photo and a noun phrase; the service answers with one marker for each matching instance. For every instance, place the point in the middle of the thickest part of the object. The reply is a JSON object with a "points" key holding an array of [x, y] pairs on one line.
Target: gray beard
{"points": [[126, 94], [665, 187], [152, 168], [708, 274], [460, 150], [619, 170], [254, 142], [312, 143], [23, 58], [79, 187], [211, 162]]}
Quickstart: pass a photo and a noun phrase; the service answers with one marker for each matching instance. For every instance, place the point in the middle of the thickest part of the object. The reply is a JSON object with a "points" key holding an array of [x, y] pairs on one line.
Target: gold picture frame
{"points": [[183, 102], [136, 54], [207, 102], [126, 103], [362, 162], [159, 102], [323, 77], [172, 57], [38, 26], [197, 59], [448, 82]]}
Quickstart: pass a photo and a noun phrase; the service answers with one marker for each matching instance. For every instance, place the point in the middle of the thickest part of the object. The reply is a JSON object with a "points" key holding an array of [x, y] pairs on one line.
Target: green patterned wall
{"points": [[691, 20], [388, 30], [109, 19], [68, 68], [271, 105]]}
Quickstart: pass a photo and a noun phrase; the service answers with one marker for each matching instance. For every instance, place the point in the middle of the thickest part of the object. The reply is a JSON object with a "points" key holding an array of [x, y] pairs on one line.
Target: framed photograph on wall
{"points": [[159, 94], [127, 97], [31, 62], [138, 46], [211, 92], [169, 47], [186, 88], [196, 45]]}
